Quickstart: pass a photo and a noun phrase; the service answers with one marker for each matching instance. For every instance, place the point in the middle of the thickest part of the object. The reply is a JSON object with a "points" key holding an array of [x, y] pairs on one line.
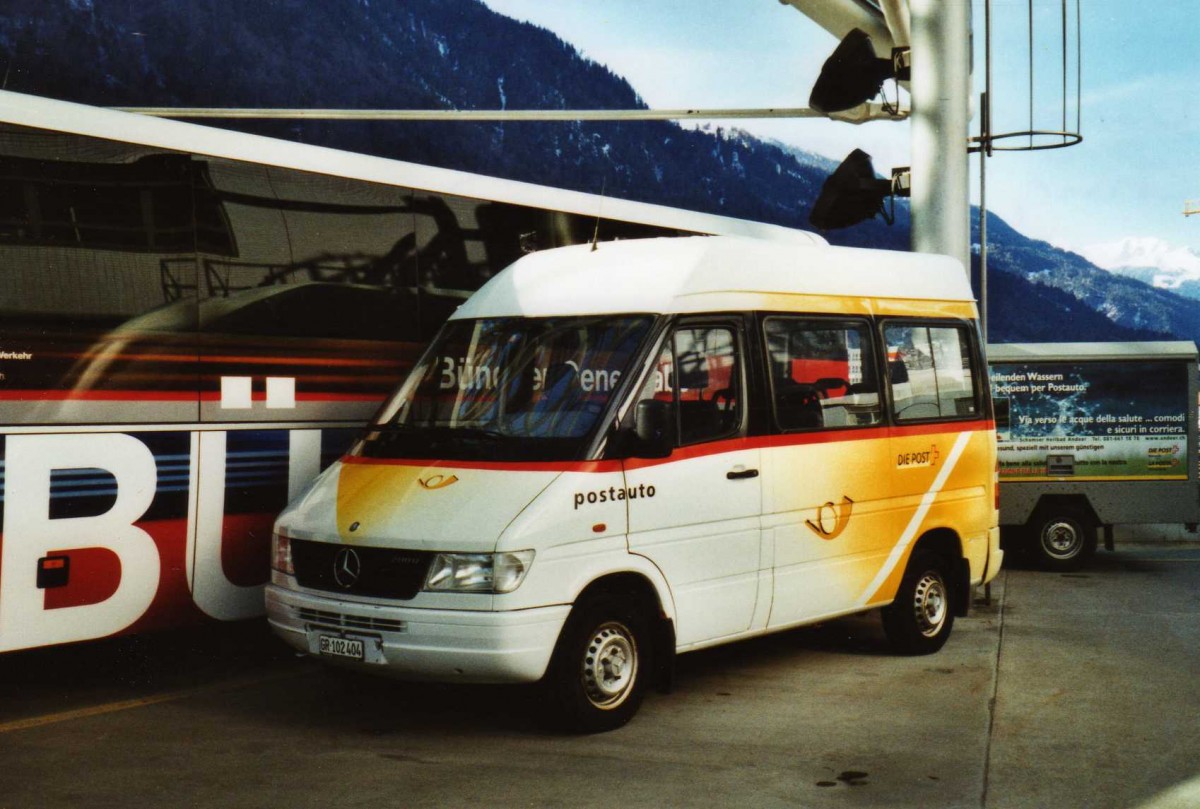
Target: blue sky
{"points": [[1139, 160]]}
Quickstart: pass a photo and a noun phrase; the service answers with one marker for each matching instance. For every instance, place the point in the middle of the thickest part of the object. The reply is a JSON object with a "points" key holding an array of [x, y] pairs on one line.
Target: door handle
{"points": [[742, 474]]}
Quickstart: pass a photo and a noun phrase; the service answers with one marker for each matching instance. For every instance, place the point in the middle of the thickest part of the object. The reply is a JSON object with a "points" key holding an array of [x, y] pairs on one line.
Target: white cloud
{"points": [[1144, 252]]}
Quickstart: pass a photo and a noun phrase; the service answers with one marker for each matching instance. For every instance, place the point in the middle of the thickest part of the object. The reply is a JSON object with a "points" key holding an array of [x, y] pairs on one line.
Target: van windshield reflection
{"points": [[509, 389]]}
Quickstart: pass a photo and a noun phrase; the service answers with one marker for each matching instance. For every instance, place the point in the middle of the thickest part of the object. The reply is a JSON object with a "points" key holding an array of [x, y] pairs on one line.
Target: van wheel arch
{"points": [[921, 618], [635, 585], [945, 543], [627, 585], [639, 589]]}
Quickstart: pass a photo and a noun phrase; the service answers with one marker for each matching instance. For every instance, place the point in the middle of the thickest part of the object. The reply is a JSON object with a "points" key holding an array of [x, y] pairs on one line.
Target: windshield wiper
{"points": [[442, 431], [424, 439], [480, 432], [393, 427]]}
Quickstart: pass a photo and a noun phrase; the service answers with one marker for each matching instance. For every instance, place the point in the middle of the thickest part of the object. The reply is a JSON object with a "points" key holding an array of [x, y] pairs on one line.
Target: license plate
{"points": [[334, 646]]}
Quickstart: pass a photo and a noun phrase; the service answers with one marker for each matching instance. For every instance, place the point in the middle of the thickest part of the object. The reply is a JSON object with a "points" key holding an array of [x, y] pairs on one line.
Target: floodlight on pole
{"points": [[853, 194], [853, 74]]}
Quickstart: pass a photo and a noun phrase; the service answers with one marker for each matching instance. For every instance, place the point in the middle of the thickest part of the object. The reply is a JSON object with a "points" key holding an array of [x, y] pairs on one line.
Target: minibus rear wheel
{"points": [[919, 621], [602, 663]]}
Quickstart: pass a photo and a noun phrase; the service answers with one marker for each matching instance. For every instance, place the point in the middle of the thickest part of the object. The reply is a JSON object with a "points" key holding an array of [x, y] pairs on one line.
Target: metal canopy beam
{"points": [[840, 17], [873, 111]]}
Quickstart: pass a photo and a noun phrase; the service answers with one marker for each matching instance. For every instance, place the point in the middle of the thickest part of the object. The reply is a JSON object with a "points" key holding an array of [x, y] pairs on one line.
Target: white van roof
{"points": [[706, 273]]}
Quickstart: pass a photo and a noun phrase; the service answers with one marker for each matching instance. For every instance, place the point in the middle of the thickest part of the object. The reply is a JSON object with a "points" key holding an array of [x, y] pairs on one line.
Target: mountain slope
{"points": [[1124, 302], [440, 54]]}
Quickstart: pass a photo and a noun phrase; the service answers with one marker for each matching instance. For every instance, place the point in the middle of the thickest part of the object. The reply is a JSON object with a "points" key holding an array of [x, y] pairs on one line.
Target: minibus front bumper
{"points": [[419, 644]]}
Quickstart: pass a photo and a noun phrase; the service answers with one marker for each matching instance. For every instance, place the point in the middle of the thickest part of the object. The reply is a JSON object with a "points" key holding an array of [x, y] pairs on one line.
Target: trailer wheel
{"points": [[601, 666], [1062, 538], [919, 621]]}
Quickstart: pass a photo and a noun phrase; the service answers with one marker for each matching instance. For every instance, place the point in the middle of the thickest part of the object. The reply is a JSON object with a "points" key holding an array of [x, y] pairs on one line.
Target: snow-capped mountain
{"points": [[1152, 260]]}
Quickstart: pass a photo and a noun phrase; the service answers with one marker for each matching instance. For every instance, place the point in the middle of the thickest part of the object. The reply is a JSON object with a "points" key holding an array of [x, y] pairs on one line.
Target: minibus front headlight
{"points": [[281, 554], [511, 569], [478, 572]]}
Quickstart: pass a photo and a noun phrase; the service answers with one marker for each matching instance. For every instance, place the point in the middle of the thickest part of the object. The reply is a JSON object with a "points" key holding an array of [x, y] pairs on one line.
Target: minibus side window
{"points": [[698, 371], [822, 373], [929, 368]]}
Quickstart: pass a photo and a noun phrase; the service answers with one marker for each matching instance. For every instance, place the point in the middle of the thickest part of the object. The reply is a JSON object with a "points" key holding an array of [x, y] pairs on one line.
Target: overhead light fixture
{"points": [[853, 194], [853, 74]]}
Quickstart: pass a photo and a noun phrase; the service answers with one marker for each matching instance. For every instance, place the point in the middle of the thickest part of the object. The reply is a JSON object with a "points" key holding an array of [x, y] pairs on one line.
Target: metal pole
{"points": [[985, 151], [983, 248], [941, 87]]}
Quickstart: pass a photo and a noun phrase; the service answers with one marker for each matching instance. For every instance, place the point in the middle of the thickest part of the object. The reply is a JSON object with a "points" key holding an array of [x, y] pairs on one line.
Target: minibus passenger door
{"points": [[932, 373], [829, 488], [696, 513]]}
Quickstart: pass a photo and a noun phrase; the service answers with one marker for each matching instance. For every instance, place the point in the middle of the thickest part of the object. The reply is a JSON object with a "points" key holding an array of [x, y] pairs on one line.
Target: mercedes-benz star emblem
{"points": [[347, 567]]}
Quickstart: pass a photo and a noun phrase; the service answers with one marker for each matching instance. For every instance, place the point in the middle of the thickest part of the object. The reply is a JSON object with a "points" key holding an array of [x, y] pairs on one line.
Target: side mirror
{"points": [[654, 424]]}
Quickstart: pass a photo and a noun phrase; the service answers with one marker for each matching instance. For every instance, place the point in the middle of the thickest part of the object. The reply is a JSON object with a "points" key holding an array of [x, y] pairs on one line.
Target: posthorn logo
{"points": [[437, 481]]}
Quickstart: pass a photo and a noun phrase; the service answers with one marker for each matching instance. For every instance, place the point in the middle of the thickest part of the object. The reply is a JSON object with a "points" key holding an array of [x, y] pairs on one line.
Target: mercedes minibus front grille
{"points": [[376, 572], [336, 620]]}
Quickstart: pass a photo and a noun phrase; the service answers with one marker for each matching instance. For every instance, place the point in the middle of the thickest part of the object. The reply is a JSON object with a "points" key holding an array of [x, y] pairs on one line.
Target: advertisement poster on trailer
{"points": [[1092, 420]]}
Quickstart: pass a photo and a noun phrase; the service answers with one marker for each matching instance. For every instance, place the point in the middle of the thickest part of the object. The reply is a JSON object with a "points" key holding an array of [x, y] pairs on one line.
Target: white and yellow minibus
{"points": [[612, 454]]}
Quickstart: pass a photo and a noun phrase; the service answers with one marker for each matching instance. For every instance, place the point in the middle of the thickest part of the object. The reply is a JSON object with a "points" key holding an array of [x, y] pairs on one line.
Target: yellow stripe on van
{"points": [[883, 587], [369, 493], [824, 304]]}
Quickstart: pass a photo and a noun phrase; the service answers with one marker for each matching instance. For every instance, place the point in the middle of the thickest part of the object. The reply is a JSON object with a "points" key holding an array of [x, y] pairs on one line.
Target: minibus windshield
{"points": [[509, 389]]}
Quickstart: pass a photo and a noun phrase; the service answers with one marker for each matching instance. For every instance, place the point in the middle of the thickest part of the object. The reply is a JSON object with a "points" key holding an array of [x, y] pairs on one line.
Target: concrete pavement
{"points": [[1076, 690]]}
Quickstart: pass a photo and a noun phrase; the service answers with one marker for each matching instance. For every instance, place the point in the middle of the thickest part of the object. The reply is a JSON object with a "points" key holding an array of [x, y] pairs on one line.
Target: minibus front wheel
{"points": [[920, 619], [602, 663]]}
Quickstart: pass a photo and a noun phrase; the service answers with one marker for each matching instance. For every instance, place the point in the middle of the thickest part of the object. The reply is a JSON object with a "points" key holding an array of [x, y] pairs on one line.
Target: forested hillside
{"points": [[458, 54]]}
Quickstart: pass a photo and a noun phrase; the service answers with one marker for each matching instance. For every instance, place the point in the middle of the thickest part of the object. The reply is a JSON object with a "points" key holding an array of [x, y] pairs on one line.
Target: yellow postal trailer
{"points": [[613, 454]]}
